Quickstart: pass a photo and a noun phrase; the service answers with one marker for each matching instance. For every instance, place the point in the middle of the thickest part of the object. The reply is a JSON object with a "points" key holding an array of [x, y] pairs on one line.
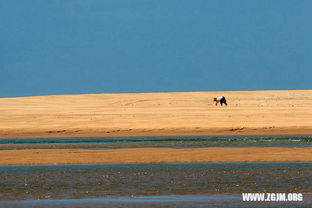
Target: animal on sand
{"points": [[220, 100]]}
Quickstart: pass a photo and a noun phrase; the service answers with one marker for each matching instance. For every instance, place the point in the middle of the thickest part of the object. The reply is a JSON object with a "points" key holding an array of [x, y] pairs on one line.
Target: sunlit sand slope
{"points": [[158, 114]]}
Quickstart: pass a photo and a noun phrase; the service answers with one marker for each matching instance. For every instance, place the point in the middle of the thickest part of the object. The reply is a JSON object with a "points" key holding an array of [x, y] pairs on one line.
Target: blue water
{"points": [[137, 142], [221, 201]]}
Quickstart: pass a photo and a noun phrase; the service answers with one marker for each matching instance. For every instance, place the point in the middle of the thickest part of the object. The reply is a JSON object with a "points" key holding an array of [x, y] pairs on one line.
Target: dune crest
{"points": [[158, 114]]}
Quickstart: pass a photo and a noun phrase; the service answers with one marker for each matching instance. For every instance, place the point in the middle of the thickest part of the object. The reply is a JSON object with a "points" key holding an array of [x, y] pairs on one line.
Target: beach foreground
{"points": [[153, 155], [158, 114]]}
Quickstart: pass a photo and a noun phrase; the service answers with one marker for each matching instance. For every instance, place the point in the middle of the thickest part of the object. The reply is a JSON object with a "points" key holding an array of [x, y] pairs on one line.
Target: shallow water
{"points": [[221, 201], [128, 180], [141, 142], [153, 185]]}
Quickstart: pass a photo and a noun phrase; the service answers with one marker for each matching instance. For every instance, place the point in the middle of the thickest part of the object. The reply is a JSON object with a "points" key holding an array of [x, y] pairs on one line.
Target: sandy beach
{"points": [[157, 114], [153, 155], [265, 113]]}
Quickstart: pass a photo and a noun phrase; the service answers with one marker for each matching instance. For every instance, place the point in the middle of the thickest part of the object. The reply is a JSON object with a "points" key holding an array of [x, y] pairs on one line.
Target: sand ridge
{"points": [[158, 114], [154, 155]]}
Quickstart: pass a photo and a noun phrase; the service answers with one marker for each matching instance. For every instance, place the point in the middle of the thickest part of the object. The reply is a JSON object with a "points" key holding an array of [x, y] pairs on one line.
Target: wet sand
{"points": [[157, 114], [154, 155]]}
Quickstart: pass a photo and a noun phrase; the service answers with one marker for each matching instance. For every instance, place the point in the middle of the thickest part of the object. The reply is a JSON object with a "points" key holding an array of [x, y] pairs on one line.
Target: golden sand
{"points": [[154, 155], [158, 114]]}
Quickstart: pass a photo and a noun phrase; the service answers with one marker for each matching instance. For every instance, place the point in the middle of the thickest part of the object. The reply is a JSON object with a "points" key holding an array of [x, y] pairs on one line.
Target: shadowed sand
{"points": [[158, 114], [154, 155]]}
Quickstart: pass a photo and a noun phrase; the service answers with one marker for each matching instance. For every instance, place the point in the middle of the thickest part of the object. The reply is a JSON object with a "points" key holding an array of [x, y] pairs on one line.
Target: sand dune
{"points": [[157, 114], [153, 155]]}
